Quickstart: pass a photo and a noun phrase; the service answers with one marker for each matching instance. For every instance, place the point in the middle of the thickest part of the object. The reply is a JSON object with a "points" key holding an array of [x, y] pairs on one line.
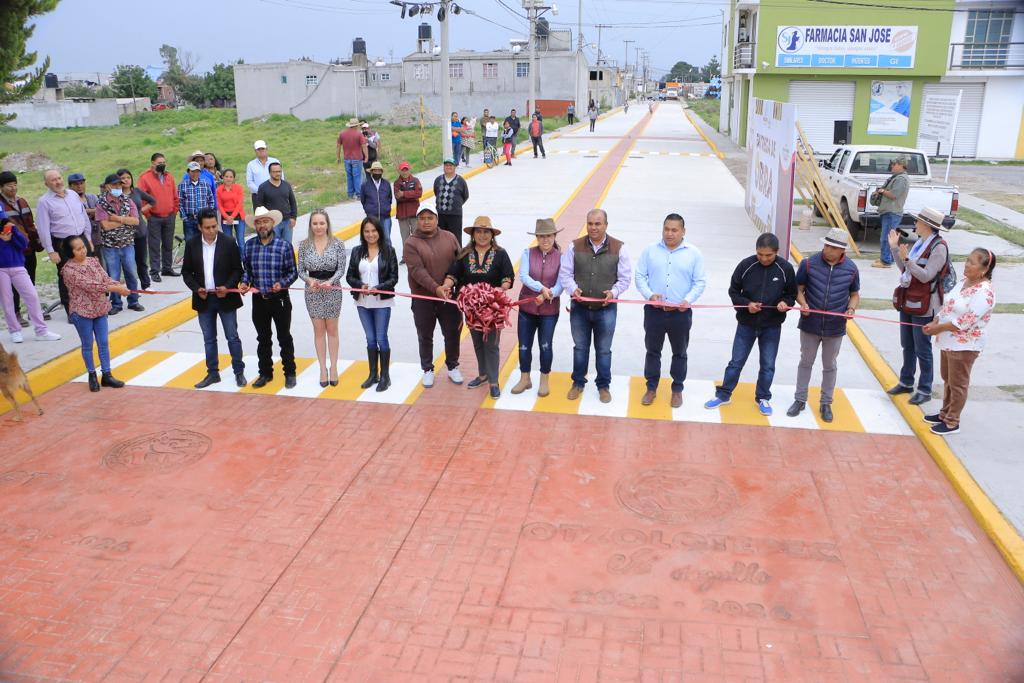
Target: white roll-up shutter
{"points": [[819, 105], [968, 125]]}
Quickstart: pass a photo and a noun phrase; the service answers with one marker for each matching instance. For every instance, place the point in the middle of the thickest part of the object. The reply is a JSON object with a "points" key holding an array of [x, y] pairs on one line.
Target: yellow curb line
{"points": [[700, 131], [985, 512]]}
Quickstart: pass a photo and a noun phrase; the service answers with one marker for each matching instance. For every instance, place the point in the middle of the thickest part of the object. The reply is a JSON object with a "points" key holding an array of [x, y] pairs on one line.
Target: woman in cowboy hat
{"points": [[922, 269], [482, 260], [538, 269]]}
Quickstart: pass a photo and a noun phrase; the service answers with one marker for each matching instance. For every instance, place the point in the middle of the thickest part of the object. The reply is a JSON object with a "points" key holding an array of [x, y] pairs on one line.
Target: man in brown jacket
{"points": [[429, 253]]}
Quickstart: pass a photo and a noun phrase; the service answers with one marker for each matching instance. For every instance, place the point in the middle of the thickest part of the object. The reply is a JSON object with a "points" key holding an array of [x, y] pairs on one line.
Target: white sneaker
{"points": [[455, 376], [17, 337], [48, 336], [428, 379]]}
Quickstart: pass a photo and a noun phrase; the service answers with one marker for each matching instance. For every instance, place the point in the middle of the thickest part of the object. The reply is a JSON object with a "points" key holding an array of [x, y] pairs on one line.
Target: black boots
{"points": [[372, 355], [94, 384], [385, 371], [106, 380]]}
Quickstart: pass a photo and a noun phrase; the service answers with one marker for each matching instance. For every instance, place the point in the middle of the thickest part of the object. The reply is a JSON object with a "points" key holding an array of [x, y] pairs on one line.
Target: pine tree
{"points": [[15, 83]]}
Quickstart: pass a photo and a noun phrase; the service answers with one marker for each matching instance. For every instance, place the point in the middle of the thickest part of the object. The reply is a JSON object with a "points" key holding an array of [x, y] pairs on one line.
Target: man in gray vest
{"points": [[890, 198], [594, 269]]}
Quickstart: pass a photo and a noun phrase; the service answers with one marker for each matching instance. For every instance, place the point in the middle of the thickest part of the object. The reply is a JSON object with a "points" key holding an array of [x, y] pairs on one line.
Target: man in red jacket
{"points": [[159, 183], [408, 191]]}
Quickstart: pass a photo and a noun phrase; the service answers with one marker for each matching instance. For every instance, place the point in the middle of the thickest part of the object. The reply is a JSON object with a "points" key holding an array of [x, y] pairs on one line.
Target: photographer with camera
{"points": [[889, 199]]}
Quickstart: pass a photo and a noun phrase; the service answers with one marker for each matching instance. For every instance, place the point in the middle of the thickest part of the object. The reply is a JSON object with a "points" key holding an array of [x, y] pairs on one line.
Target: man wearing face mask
{"points": [[117, 218], [375, 196], [158, 182]]}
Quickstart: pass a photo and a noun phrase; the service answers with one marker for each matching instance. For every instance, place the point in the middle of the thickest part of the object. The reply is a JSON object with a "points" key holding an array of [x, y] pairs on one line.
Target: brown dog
{"points": [[12, 378]]}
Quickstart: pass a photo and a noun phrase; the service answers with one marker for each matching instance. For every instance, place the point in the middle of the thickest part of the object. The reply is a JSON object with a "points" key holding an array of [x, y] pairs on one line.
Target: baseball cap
{"points": [[449, 161], [259, 144], [76, 178], [7, 177], [427, 209], [193, 166], [112, 179], [404, 166]]}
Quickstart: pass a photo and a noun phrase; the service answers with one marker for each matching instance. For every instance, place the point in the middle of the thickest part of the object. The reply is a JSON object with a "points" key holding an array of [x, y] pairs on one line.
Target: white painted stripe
{"points": [[114, 363], [782, 398], [876, 412], [307, 382], [166, 370], [524, 401], [590, 403], [405, 377], [695, 393]]}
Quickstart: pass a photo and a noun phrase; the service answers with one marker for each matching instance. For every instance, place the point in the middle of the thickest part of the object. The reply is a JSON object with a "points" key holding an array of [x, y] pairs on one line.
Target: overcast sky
{"points": [[83, 36]]}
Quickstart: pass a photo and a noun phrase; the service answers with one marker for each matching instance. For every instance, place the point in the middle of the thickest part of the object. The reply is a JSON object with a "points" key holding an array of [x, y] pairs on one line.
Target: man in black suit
{"points": [[211, 266]]}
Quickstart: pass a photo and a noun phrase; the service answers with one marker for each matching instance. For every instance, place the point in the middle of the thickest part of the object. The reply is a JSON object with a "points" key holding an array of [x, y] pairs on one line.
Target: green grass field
{"points": [[707, 109]]}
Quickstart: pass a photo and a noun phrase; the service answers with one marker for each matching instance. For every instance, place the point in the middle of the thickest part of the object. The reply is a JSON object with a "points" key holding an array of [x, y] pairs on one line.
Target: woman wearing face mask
{"points": [[374, 265], [321, 266], [959, 329], [118, 218], [143, 203]]}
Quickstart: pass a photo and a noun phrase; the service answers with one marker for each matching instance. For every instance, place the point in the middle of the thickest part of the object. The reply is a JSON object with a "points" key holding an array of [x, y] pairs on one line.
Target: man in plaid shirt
{"points": [[270, 269], [194, 195]]}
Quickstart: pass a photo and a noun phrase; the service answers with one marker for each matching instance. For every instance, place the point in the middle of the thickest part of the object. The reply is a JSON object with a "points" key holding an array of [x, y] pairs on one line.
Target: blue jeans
{"points": [[353, 176], [675, 325], [88, 328], [116, 260], [375, 323], [529, 326], [456, 151], [283, 230], [236, 231], [190, 228], [917, 351], [767, 339], [599, 323], [889, 221], [208, 324]]}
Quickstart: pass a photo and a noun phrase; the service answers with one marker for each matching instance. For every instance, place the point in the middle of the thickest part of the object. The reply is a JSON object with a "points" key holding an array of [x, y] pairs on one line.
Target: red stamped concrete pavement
{"points": [[168, 535]]}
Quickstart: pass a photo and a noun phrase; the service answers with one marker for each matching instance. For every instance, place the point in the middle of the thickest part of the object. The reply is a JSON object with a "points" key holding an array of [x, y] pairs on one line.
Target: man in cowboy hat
{"points": [[352, 145], [375, 196], [257, 171], [270, 269], [538, 269], [670, 274], [199, 157], [890, 198], [826, 281], [922, 269], [428, 254], [194, 195]]}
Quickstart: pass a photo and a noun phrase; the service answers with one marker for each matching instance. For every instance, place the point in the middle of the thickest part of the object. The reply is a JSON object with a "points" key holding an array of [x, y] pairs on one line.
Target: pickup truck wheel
{"points": [[817, 212], [844, 211]]}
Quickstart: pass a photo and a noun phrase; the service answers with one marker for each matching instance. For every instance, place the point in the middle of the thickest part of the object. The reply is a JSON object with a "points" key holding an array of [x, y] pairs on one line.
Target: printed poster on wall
{"points": [[890, 108], [771, 138], [849, 47]]}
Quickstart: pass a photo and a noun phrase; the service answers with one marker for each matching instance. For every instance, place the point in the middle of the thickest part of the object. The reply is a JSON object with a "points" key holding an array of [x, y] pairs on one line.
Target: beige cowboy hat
{"points": [[482, 222], [836, 237], [931, 217], [197, 153], [263, 212], [545, 226], [376, 166], [353, 123]]}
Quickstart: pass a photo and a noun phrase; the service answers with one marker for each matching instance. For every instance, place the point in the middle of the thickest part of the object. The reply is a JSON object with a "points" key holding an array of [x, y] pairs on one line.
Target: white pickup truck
{"points": [[854, 172]]}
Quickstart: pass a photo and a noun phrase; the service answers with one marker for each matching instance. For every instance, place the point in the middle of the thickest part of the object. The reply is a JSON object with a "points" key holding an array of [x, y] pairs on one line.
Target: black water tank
{"points": [[542, 28], [359, 46], [51, 81], [425, 31]]}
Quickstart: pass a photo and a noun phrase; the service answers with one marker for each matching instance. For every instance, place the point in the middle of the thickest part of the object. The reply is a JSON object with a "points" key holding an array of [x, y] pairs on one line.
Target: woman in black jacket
{"points": [[374, 265], [482, 260], [139, 198]]}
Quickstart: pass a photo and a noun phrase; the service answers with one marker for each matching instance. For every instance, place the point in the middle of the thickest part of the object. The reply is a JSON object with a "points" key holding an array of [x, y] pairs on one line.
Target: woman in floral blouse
{"points": [[960, 334], [88, 285], [482, 260]]}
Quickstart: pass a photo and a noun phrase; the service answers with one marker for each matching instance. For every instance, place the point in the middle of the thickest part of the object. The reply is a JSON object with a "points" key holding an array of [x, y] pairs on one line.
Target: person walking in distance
{"points": [[352, 149], [211, 266], [408, 191], [118, 219], [538, 270], [60, 214], [257, 171], [277, 195], [452, 193], [890, 198], [826, 281], [570, 113], [374, 265], [375, 196], [536, 130], [321, 267], [592, 115], [270, 269], [157, 182]]}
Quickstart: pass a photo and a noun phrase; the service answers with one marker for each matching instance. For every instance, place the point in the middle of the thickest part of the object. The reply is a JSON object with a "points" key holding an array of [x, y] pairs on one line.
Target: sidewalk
{"points": [[994, 211]]}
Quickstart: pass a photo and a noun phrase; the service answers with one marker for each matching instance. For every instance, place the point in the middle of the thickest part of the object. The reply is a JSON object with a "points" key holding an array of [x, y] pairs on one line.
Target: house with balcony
{"points": [[868, 77]]}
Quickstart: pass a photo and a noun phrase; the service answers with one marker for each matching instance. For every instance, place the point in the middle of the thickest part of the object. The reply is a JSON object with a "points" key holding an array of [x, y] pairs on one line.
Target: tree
{"points": [[179, 66], [710, 70], [220, 83], [15, 29], [130, 80], [683, 71], [192, 89]]}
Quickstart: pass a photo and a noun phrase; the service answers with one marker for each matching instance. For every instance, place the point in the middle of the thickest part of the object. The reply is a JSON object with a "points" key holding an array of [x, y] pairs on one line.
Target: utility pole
{"points": [[599, 27], [625, 69], [534, 9], [446, 85], [579, 50]]}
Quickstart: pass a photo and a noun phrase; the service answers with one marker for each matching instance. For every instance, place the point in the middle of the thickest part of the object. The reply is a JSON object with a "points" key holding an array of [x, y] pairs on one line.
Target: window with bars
{"points": [[312, 79], [522, 69], [421, 72], [385, 76], [490, 69], [987, 39], [455, 70]]}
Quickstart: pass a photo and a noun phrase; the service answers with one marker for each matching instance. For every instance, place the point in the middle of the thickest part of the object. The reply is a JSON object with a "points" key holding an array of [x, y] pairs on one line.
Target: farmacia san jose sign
{"points": [[864, 47]]}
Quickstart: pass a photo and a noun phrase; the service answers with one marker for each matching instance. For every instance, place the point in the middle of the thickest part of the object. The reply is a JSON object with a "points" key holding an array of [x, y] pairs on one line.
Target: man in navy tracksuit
{"points": [[375, 196], [765, 286]]}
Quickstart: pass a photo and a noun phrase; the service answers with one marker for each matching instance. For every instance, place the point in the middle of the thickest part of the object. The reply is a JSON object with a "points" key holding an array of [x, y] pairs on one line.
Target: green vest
{"points": [[596, 272]]}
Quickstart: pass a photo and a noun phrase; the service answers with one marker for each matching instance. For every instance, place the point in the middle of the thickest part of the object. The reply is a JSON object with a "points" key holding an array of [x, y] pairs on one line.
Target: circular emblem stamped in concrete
{"points": [[164, 451], [672, 495]]}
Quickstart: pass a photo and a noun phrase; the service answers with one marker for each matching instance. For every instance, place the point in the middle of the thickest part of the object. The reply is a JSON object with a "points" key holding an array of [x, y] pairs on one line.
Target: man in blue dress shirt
{"points": [[670, 274]]}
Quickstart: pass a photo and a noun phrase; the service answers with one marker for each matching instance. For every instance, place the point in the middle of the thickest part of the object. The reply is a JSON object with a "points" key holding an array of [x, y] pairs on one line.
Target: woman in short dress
{"points": [[321, 266]]}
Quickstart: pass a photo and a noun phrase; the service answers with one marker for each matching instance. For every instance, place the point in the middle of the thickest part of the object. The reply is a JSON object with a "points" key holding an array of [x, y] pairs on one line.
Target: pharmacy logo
{"points": [[790, 39]]}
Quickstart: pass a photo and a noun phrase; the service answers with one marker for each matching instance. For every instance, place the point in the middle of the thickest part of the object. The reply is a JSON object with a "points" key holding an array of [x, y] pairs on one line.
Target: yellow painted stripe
{"points": [[277, 384], [661, 409], [140, 364], [844, 416], [985, 512], [348, 388], [700, 131], [556, 402], [188, 379], [743, 409]]}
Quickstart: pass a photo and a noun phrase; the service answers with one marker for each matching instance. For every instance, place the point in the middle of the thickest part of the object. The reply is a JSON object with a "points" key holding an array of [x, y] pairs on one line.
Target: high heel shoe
{"points": [[323, 382], [333, 382]]}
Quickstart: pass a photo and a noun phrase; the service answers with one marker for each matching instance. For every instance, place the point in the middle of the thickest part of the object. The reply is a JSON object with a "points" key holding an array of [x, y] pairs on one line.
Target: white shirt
{"points": [[208, 252], [969, 310], [491, 129], [369, 275], [257, 173]]}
